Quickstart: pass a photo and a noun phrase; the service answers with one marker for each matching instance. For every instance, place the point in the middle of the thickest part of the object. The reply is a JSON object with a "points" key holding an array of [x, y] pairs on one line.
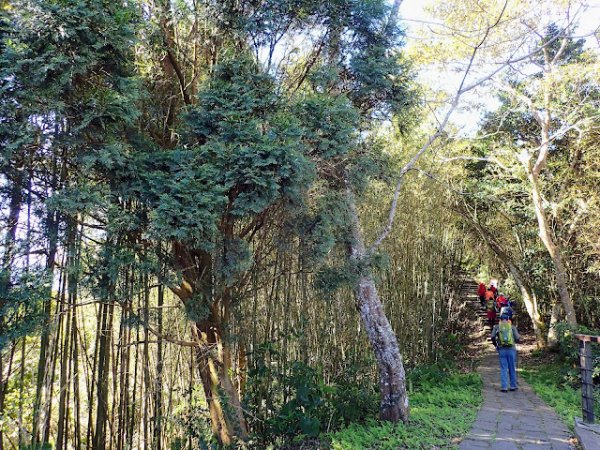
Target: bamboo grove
{"points": [[175, 238]]}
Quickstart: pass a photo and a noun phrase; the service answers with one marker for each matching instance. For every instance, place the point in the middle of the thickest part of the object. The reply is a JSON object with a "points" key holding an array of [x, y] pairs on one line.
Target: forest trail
{"points": [[514, 420]]}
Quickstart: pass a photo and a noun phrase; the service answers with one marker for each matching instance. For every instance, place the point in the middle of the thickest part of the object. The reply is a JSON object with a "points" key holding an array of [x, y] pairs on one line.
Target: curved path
{"points": [[514, 420]]}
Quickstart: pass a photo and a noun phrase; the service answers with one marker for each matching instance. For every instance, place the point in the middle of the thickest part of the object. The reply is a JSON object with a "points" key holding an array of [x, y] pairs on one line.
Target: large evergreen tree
{"points": [[174, 167]]}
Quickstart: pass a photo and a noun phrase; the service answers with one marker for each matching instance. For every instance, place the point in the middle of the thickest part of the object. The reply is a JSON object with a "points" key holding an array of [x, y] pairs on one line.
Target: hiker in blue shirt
{"points": [[504, 337]]}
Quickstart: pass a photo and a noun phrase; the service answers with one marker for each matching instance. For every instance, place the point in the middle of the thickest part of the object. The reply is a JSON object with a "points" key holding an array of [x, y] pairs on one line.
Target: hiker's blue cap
{"points": [[504, 317]]}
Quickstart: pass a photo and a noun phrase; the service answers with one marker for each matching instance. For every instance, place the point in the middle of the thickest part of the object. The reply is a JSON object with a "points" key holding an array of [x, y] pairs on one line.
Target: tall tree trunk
{"points": [[76, 438], [4, 384], [21, 439], [121, 362], [54, 352], [64, 383], [67, 314], [137, 417], [546, 235], [93, 378], [104, 354], [146, 367], [392, 378], [213, 354], [45, 356]]}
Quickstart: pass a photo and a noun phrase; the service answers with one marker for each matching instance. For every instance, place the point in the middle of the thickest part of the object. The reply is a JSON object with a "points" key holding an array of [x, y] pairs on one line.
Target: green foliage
{"points": [[249, 140], [331, 278], [20, 393], [52, 46], [379, 77], [193, 419], [329, 124], [571, 53], [183, 191], [303, 413], [422, 377], [67, 95], [443, 407], [241, 154], [22, 297], [234, 259], [320, 226], [300, 403], [346, 410]]}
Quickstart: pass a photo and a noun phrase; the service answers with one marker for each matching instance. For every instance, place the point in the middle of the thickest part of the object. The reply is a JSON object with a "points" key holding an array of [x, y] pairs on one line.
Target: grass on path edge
{"points": [[557, 384], [443, 408]]}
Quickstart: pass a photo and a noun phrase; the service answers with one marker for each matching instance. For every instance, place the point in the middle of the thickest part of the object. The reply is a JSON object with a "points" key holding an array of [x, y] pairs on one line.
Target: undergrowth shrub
{"points": [[296, 404], [568, 349], [296, 408]]}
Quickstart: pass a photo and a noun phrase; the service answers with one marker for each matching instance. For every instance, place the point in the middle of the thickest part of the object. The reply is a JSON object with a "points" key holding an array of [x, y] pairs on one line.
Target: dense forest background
{"points": [[205, 202]]}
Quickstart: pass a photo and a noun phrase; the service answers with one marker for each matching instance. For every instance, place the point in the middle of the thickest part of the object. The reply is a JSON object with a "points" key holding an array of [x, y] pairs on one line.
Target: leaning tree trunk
{"points": [[545, 233], [544, 120], [392, 378]]}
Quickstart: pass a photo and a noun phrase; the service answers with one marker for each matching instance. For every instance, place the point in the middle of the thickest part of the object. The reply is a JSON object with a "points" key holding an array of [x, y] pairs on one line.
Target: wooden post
{"points": [[586, 366]]}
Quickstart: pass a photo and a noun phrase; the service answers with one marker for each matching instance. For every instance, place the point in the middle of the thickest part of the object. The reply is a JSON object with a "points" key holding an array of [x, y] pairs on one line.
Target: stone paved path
{"points": [[514, 420]]}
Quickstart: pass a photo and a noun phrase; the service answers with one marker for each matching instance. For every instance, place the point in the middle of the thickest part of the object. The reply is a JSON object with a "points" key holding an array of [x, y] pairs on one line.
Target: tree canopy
{"points": [[240, 222]]}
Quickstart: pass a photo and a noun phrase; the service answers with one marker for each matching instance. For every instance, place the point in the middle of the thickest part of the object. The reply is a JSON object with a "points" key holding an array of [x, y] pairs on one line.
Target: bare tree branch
{"points": [[439, 132], [462, 89]]}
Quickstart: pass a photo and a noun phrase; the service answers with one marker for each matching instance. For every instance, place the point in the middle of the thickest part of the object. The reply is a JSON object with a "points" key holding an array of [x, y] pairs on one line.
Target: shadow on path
{"points": [[513, 420]]}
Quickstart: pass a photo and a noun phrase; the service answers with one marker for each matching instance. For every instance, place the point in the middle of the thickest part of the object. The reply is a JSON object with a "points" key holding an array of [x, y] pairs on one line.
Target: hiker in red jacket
{"points": [[481, 294]]}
